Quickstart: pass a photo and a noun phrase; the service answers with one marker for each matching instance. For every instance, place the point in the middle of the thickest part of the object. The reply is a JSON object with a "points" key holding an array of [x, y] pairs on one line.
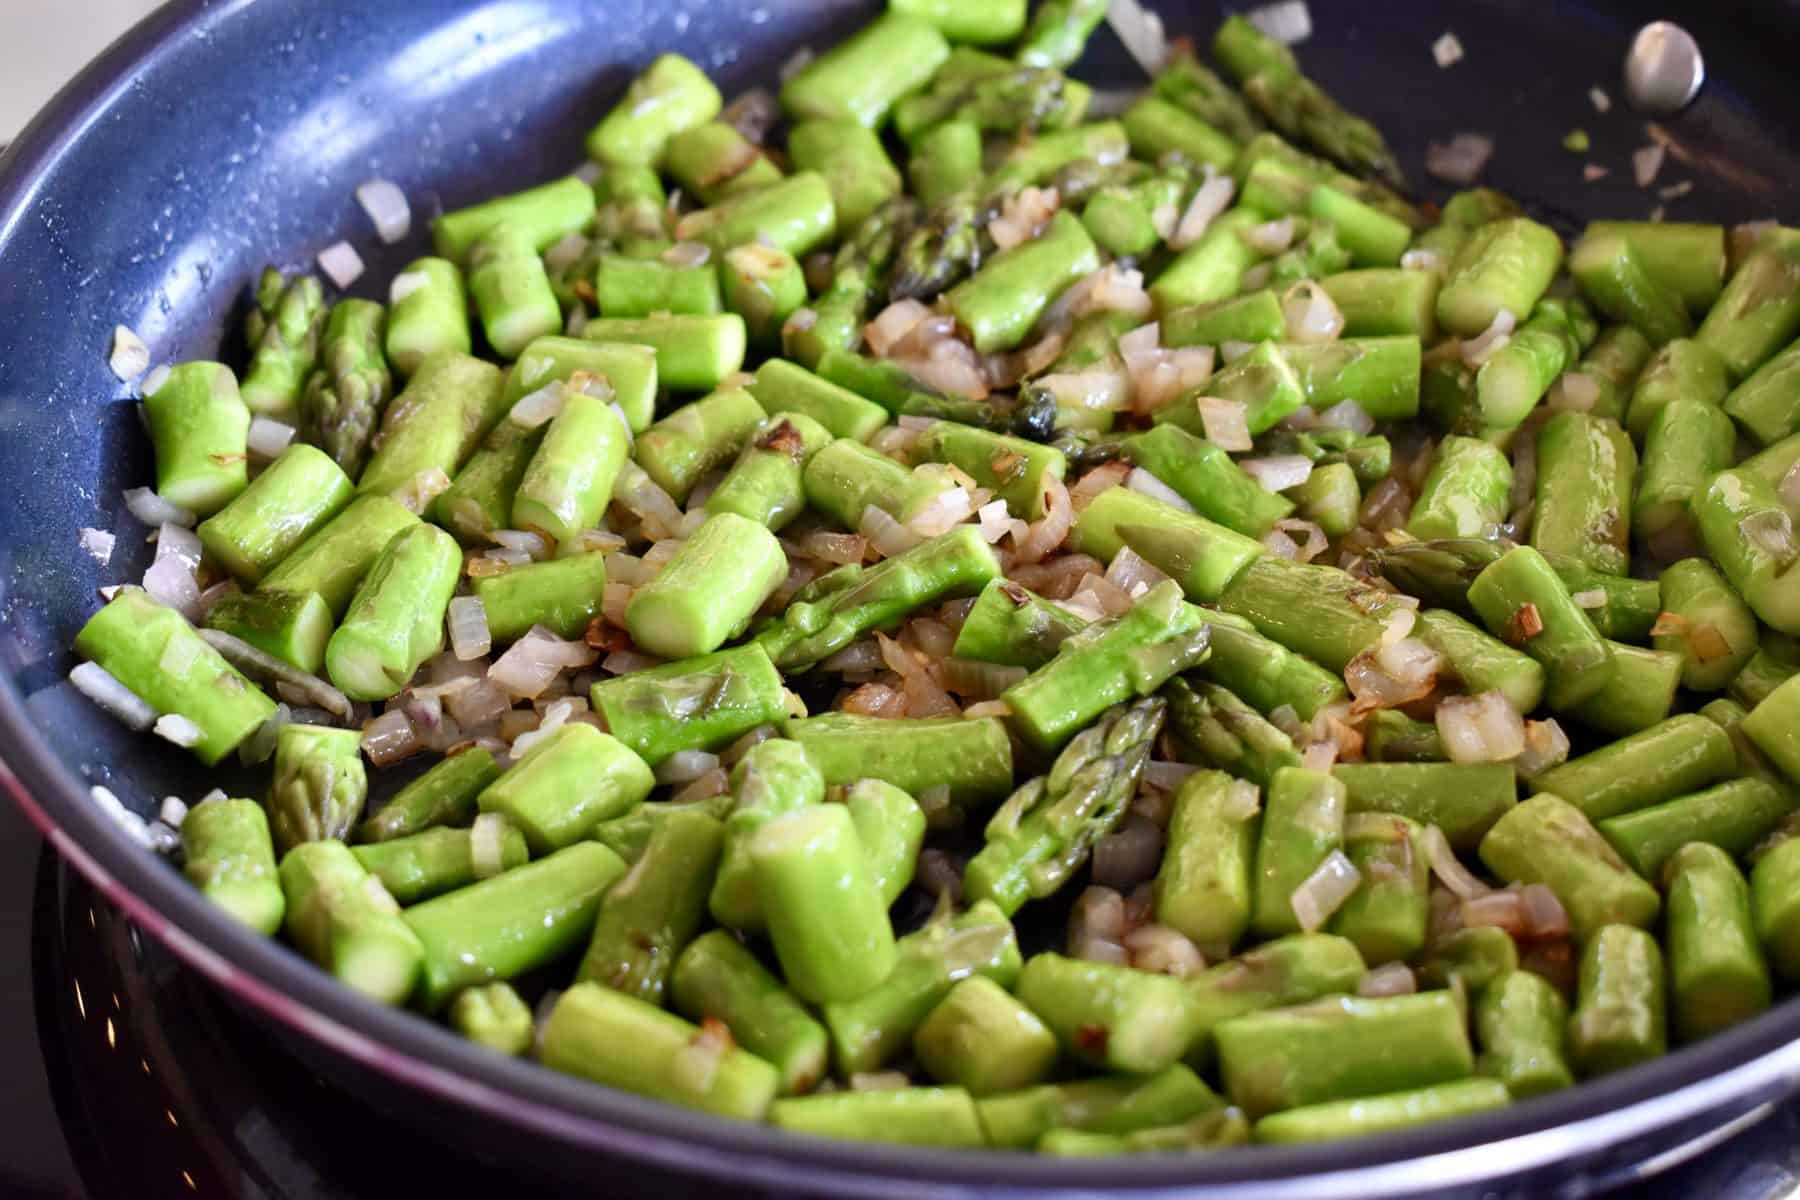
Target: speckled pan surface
{"points": [[219, 136]]}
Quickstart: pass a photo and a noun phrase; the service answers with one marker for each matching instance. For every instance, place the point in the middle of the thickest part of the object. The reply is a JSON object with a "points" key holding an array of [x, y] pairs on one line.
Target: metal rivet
{"points": [[1663, 69]]}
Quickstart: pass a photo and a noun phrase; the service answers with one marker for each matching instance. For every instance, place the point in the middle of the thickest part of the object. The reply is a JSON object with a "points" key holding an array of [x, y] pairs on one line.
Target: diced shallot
{"points": [[1167, 775], [1312, 540], [1212, 199], [1575, 390], [178, 729], [942, 513], [1545, 916], [173, 812], [1164, 951], [1271, 237], [1482, 728], [268, 438], [527, 668], [1278, 472], [885, 535], [685, 766], [386, 205], [98, 543], [1460, 161], [422, 489], [389, 738], [1310, 314], [977, 681], [487, 845], [93, 681], [130, 357], [152, 509], [469, 636], [1546, 746], [1324, 891], [1128, 857], [1347, 414], [1226, 423], [1143, 481], [538, 408], [1287, 21], [1047, 533], [1022, 217], [170, 581], [1392, 675], [1389, 979], [1141, 31], [1476, 350], [341, 263], [893, 323], [1504, 908], [1448, 868]]}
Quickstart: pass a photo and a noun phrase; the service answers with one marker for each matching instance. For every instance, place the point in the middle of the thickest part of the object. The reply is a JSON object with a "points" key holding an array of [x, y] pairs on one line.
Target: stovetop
{"points": [[128, 1076]]}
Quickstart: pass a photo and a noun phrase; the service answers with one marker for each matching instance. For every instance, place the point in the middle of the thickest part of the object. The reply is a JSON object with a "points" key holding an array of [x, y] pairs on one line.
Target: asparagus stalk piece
{"points": [[567, 783], [695, 704], [983, 1039], [1620, 1010], [1341, 1048], [870, 1029], [716, 978], [1547, 840], [444, 795], [346, 393], [828, 924], [1209, 724], [435, 861], [860, 78], [134, 636], [502, 927], [291, 626], [1112, 1017], [670, 95], [199, 427], [227, 854], [1042, 835], [1109, 663], [621, 1041], [293, 498], [650, 915], [343, 919], [319, 786], [1380, 1114], [542, 214], [396, 619], [430, 316], [915, 1116], [774, 778], [563, 595], [1287, 970], [1717, 976], [958, 563], [681, 614], [1112, 1105], [494, 1016], [283, 331], [1519, 1023]]}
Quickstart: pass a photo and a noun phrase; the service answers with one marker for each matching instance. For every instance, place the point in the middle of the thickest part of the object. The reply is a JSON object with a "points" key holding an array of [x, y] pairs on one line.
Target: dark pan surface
{"points": [[219, 136]]}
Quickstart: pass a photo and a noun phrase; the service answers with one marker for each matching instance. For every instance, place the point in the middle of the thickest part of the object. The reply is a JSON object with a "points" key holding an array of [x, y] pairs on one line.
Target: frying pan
{"points": [[218, 136]]}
